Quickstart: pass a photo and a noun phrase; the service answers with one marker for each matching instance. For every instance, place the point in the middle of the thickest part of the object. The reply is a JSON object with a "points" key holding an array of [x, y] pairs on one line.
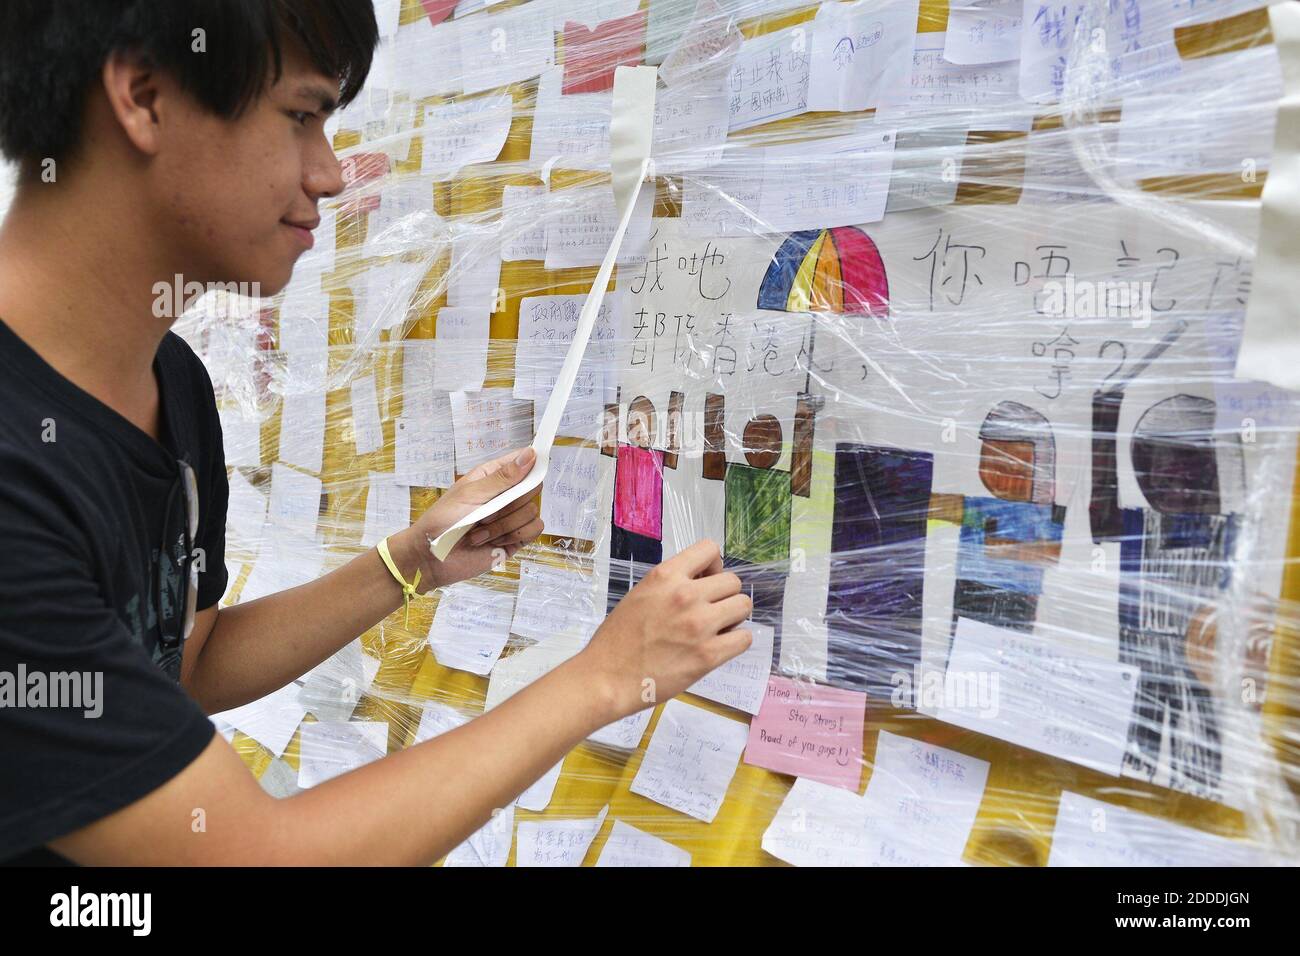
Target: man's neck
{"points": [[77, 271]]}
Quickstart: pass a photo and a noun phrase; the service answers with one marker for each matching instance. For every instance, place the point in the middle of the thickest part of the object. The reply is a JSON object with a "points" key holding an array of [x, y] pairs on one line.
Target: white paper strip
{"points": [[631, 133]]}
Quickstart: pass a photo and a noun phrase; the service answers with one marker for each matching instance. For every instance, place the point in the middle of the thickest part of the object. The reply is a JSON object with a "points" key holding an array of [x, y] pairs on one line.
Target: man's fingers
{"points": [[701, 558], [514, 515], [504, 525], [716, 587], [731, 644], [731, 611], [509, 471], [520, 536]]}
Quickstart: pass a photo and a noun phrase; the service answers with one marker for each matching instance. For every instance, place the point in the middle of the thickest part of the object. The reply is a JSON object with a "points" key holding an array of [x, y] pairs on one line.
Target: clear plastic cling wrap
{"points": [[929, 319]]}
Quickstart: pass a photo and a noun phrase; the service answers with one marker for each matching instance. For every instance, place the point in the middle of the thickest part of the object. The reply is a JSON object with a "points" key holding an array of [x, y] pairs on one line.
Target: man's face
{"points": [[1007, 469], [239, 197]]}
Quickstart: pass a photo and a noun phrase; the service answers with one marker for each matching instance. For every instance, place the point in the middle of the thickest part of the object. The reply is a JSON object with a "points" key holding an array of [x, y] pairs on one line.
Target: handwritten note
{"points": [[471, 627], [507, 47], [487, 424], [769, 79], [987, 32], [1046, 36], [1089, 832], [556, 842], [819, 825], [690, 760], [426, 57], [986, 95], [573, 127], [804, 186], [556, 601], [1072, 707], [927, 168], [809, 730], [284, 560], [330, 749], [460, 134], [302, 429], [582, 229], [460, 362], [860, 52], [628, 846], [523, 226], [367, 428], [569, 497], [388, 508], [547, 325], [295, 500], [474, 277], [921, 802], [424, 451], [690, 128], [742, 681]]}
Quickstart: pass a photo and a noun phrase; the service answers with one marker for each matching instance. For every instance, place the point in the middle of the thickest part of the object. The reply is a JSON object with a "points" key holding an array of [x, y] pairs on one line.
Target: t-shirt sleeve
{"points": [[214, 495], [88, 724]]}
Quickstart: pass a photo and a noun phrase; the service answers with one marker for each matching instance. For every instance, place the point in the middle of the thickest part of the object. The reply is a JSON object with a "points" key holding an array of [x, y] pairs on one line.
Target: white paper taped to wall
{"points": [[631, 135]]}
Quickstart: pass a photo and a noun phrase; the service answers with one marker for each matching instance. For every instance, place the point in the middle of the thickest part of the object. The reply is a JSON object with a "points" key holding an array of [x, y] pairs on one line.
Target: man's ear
{"points": [[131, 84]]}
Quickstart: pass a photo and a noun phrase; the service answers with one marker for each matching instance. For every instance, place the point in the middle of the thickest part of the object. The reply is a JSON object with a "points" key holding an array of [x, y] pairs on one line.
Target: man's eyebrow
{"points": [[328, 98]]}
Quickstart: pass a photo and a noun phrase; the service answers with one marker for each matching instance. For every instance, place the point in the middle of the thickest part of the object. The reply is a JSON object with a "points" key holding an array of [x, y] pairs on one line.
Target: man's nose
{"points": [[324, 173]]}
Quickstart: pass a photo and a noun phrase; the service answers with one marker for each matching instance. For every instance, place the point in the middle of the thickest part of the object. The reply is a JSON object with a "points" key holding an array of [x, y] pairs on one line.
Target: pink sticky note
{"points": [[810, 731]]}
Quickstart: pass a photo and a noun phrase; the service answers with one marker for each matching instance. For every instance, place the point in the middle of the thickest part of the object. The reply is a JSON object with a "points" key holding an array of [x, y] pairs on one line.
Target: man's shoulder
{"points": [[176, 355]]}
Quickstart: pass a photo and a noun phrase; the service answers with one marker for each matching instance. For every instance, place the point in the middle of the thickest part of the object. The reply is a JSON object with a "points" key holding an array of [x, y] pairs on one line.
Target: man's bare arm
{"points": [[408, 809], [245, 652], [414, 806]]}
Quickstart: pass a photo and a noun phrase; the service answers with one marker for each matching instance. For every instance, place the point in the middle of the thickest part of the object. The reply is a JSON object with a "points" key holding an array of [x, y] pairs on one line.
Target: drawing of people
{"points": [[756, 542], [636, 540], [1006, 541], [1174, 562], [874, 601]]}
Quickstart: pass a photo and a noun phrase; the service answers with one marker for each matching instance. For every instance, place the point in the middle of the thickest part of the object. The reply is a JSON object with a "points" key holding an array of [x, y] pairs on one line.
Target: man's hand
{"points": [[674, 627], [490, 543]]}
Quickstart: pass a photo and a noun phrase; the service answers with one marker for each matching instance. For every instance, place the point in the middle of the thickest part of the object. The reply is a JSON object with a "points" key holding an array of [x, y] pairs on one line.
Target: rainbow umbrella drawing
{"points": [[835, 270]]}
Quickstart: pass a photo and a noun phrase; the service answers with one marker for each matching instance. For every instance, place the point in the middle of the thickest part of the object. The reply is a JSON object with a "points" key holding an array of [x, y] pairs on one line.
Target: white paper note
{"points": [[1072, 707], [1092, 833], [742, 681], [860, 52], [557, 842], [471, 626], [488, 424], [460, 359], [388, 508], [331, 748], [690, 760], [628, 846], [987, 32], [367, 428]]}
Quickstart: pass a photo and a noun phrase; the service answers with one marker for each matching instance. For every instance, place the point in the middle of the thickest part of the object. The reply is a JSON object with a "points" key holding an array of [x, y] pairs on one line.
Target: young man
{"points": [[144, 155]]}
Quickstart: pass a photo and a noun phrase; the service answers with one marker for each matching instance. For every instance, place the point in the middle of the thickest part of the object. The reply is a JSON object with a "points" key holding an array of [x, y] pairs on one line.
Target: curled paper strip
{"points": [[631, 132]]}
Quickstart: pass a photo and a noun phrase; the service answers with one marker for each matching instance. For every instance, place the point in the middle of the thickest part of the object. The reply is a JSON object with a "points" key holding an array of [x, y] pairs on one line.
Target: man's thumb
{"points": [[512, 472]]}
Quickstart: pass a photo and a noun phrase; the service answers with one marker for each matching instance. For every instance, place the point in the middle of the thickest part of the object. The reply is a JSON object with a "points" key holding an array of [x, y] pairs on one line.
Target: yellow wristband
{"points": [[408, 588]]}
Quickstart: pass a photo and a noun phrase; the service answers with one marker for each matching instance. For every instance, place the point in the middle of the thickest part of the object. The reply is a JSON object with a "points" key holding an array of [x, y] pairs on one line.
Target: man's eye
{"points": [[300, 117]]}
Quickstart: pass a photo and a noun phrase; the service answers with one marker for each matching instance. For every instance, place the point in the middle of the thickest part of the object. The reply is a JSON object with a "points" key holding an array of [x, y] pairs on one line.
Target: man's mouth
{"points": [[303, 230]]}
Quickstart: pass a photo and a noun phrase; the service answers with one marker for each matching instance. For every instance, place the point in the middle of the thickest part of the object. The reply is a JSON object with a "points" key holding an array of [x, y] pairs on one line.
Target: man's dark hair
{"points": [[52, 50]]}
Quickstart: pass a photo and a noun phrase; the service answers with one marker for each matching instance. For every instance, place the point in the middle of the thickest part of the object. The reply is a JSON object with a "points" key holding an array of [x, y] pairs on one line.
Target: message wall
{"points": [[930, 320]]}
